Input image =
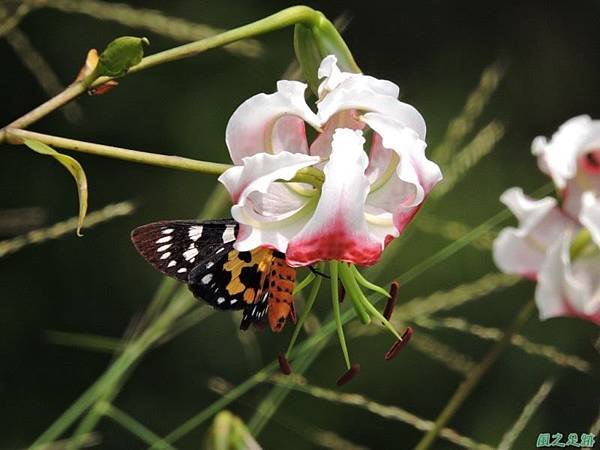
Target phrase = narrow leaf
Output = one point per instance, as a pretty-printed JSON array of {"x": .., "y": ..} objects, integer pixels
[
  {"x": 72, "y": 166},
  {"x": 120, "y": 55}
]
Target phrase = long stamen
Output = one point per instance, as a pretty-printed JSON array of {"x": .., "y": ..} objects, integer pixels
[
  {"x": 399, "y": 344},
  {"x": 366, "y": 283},
  {"x": 354, "y": 292},
  {"x": 335, "y": 301},
  {"x": 310, "y": 301},
  {"x": 305, "y": 282}
]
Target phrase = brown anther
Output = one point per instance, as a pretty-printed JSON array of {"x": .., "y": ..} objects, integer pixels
[
  {"x": 259, "y": 326},
  {"x": 284, "y": 364},
  {"x": 348, "y": 375},
  {"x": 342, "y": 293},
  {"x": 391, "y": 303},
  {"x": 399, "y": 344}
]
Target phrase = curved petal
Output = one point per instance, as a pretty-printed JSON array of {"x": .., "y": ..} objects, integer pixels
[
  {"x": 266, "y": 211},
  {"x": 271, "y": 123},
  {"x": 590, "y": 215},
  {"x": 549, "y": 295},
  {"x": 522, "y": 250},
  {"x": 343, "y": 91},
  {"x": 569, "y": 288},
  {"x": 414, "y": 176},
  {"x": 338, "y": 230},
  {"x": 260, "y": 170},
  {"x": 321, "y": 146},
  {"x": 334, "y": 77},
  {"x": 560, "y": 157}
]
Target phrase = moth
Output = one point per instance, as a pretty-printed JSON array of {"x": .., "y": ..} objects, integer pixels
[{"x": 201, "y": 254}]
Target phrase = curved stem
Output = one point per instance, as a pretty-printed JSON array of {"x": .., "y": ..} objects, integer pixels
[
  {"x": 282, "y": 19},
  {"x": 16, "y": 136},
  {"x": 474, "y": 377}
]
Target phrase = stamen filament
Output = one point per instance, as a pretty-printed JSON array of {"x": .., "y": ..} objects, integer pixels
[
  {"x": 367, "y": 284},
  {"x": 375, "y": 313},
  {"x": 354, "y": 292},
  {"x": 310, "y": 301},
  {"x": 335, "y": 301},
  {"x": 305, "y": 282}
]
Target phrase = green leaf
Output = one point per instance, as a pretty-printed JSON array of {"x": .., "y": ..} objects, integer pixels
[
  {"x": 120, "y": 55},
  {"x": 72, "y": 166}
]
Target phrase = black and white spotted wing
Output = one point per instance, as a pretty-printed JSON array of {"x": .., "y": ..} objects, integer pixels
[
  {"x": 202, "y": 255},
  {"x": 176, "y": 247}
]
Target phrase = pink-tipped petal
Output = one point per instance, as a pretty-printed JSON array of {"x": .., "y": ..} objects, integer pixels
[
  {"x": 337, "y": 230},
  {"x": 271, "y": 123}
]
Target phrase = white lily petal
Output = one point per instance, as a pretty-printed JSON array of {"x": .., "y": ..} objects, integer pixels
[
  {"x": 560, "y": 156},
  {"x": 334, "y": 77},
  {"x": 415, "y": 175},
  {"x": 522, "y": 250},
  {"x": 364, "y": 93},
  {"x": 338, "y": 230},
  {"x": 569, "y": 288},
  {"x": 271, "y": 123},
  {"x": 260, "y": 170},
  {"x": 549, "y": 295},
  {"x": 590, "y": 215},
  {"x": 269, "y": 214},
  {"x": 321, "y": 146}
]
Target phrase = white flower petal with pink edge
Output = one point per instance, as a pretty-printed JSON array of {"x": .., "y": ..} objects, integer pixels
[
  {"x": 337, "y": 229},
  {"x": 271, "y": 123},
  {"x": 522, "y": 250},
  {"x": 568, "y": 288},
  {"x": 268, "y": 213}
]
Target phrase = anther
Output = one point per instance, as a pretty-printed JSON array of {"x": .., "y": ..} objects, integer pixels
[
  {"x": 399, "y": 344},
  {"x": 347, "y": 376},
  {"x": 391, "y": 303},
  {"x": 284, "y": 365},
  {"x": 342, "y": 292}
]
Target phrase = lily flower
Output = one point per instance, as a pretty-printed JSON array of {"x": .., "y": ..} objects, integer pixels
[
  {"x": 327, "y": 199},
  {"x": 340, "y": 198}
]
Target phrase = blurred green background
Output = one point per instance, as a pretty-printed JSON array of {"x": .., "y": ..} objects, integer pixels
[{"x": 436, "y": 52}]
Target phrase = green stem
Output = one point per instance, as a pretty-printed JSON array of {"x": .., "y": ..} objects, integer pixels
[
  {"x": 134, "y": 427},
  {"x": 354, "y": 292},
  {"x": 474, "y": 377},
  {"x": 282, "y": 19},
  {"x": 335, "y": 302},
  {"x": 16, "y": 136},
  {"x": 310, "y": 301}
]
